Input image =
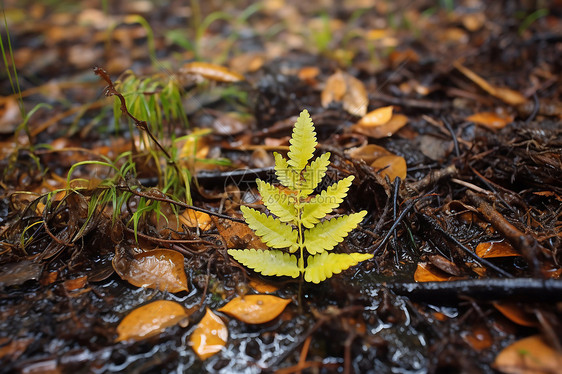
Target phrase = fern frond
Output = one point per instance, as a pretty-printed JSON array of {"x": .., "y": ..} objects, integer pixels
[
  {"x": 270, "y": 262},
  {"x": 277, "y": 202},
  {"x": 314, "y": 173},
  {"x": 272, "y": 232},
  {"x": 303, "y": 142},
  {"x": 325, "y": 202},
  {"x": 286, "y": 175},
  {"x": 324, "y": 265},
  {"x": 326, "y": 235}
]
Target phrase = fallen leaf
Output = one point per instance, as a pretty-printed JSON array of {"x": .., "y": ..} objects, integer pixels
[
  {"x": 368, "y": 153},
  {"x": 210, "y": 335},
  {"x": 162, "y": 269},
  {"x": 255, "y": 309},
  {"x": 261, "y": 286},
  {"x": 211, "y": 72},
  {"x": 150, "y": 319},
  {"x": 377, "y": 117},
  {"x": 507, "y": 95},
  {"x": 76, "y": 283},
  {"x": 516, "y": 313},
  {"x": 237, "y": 234},
  {"x": 334, "y": 89},
  {"x": 10, "y": 115},
  {"x": 479, "y": 338},
  {"x": 426, "y": 273},
  {"x": 490, "y": 120},
  {"x": 495, "y": 249},
  {"x": 344, "y": 87},
  {"x": 392, "y": 166},
  {"x": 530, "y": 355},
  {"x": 194, "y": 218},
  {"x": 388, "y": 129},
  {"x": 309, "y": 74}
]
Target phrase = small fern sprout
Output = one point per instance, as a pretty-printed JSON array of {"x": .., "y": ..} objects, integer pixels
[{"x": 300, "y": 238}]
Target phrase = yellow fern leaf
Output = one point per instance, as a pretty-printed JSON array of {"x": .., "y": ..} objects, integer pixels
[
  {"x": 286, "y": 175},
  {"x": 303, "y": 142},
  {"x": 326, "y": 235},
  {"x": 324, "y": 265},
  {"x": 270, "y": 262},
  {"x": 272, "y": 232},
  {"x": 314, "y": 173},
  {"x": 325, "y": 202},
  {"x": 278, "y": 203}
]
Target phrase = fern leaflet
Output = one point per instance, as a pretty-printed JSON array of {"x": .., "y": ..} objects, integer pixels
[
  {"x": 303, "y": 142},
  {"x": 277, "y": 202},
  {"x": 325, "y": 202},
  {"x": 326, "y": 235},
  {"x": 324, "y": 265},
  {"x": 270, "y": 262},
  {"x": 272, "y": 232}
]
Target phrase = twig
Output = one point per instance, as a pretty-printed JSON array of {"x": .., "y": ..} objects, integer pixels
[{"x": 521, "y": 289}]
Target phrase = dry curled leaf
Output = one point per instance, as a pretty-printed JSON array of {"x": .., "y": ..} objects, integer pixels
[
  {"x": 530, "y": 355},
  {"x": 490, "y": 120},
  {"x": 162, "y": 269},
  {"x": 210, "y": 336},
  {"x": 261, "y": 286},
  {"x": 344, "y": 87},
  {"x": 255, "y": 309},
  {"x": 391, "y": 165},
  {"x": 211, "y": 72},
  {"x": 150, "y": 320}
]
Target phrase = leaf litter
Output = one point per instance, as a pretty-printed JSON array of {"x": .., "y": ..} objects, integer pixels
[{"x": 473, "y": 217}]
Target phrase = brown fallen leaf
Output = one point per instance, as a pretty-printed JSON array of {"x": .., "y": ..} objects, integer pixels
[
  {"x": 507, "y": 95},
  {"x": 490, "y": 120},
  {"x": 261, "y": 286},
  {"x": 478, "y": 338},
  {"x": 392, "y": 166},
  {"x": 368, "y": 153},
  {"x": 388, "y": 129},
  {"x": 151, "y": 319},
  {"x": 344, "y": 87},
  {"x": 530, "y": 355},
  {"x": 255, "y": 309},
  {"x": 211, "y": 72},
  {"x": 495, "y": 249},
  {"x": 162, "y": 269},
  {"x": 210, "y": 336},
  {"x": 377, "y": 117},
  {"x": 516, "y": 313}
]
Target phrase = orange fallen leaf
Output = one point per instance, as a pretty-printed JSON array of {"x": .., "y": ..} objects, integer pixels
[
  {"x": 479, "y": 338},
  {"x": 530, "y": 355},
  {"x": 368, "y": 153},
  {"x": 388, "y": 129},
  {"x": 495, "y": 249},
  {"x": 262, "y": 287},
  {"x": 211, "y": 71},
  {"x": 344, "y": 87},
  {"x": 162, "y": 269},
  {"x": 194, "y": 218},
  {"x": 507, "y": 95},
  {"x": 515, "y": 313},
  {"x": 392, "y": 166},
  {"x": 210, "y": 336},
  {"x": 255, "y": 309},
  {"x": 490, "y": 120},
  {"x": 150, "y": 320},
  {"x": 377, "y": 117},
  {"x": 309, "y": 74},
  {"x": 425, "y": 273}
]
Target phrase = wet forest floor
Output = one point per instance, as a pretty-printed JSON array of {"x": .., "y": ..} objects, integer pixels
[{"x": 132, "y": 133}]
